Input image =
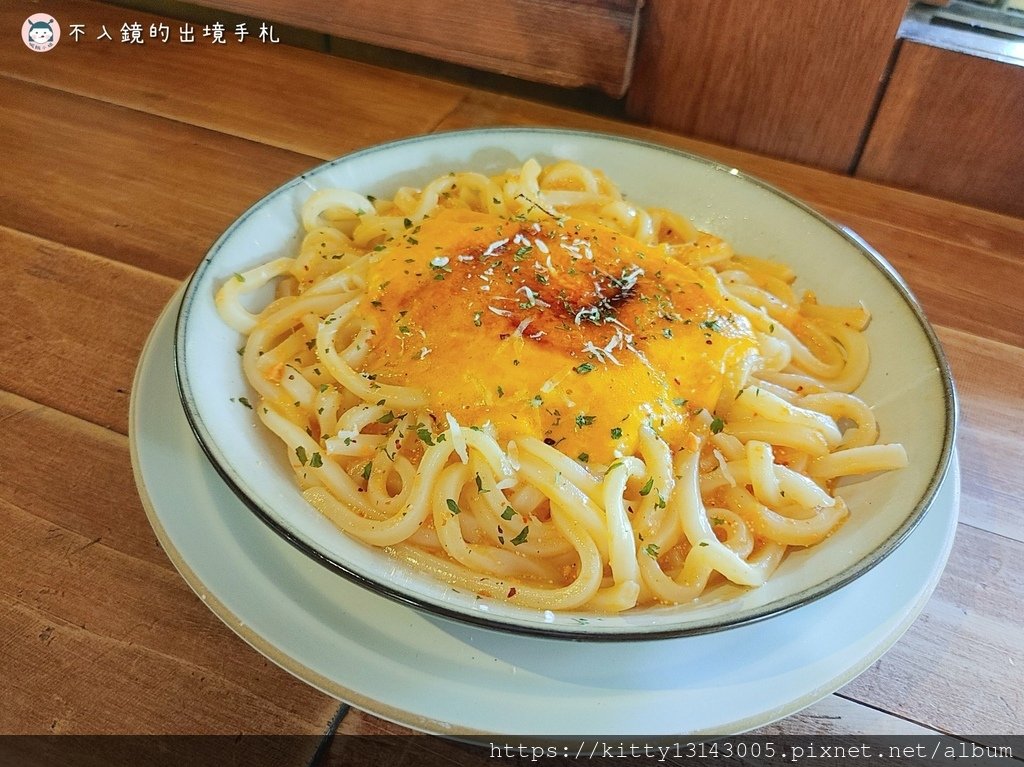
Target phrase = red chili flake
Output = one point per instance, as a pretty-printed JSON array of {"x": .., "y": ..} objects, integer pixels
[{"x": 511, "y": 593}]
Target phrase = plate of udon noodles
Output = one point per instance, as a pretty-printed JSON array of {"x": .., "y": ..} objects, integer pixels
[{"x": 565, "y": 384}]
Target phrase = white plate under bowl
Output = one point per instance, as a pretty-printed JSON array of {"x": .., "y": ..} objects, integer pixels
[
  {"x": 451, "y": 679},
  {"x": 908, "y": 386}
]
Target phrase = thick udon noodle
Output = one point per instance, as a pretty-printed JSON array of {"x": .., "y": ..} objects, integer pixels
[{"x": 438, "y": 438}]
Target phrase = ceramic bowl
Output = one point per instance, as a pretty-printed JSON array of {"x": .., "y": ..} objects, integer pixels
[{"x": 908, "y": 386}]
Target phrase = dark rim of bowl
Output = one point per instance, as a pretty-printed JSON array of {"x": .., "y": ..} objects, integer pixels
[{"x": 592, "y": 631}]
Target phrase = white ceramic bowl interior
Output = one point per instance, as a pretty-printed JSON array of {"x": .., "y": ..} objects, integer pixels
[{"x": 908, "y": 384}]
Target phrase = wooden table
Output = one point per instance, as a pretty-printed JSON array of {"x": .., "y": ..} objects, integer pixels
[{"x": 120, "y": 165}]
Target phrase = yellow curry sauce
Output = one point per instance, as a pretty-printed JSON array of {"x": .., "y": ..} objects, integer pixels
[{"x": 560, "y": 329}]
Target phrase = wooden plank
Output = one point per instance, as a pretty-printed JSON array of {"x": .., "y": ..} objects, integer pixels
[
  {"x": 559, "y": 42},
  {"x": 866, "y": 206},
  {"x": 958, "y": 669},
  {"x": 985, "y": 302},
  {"x": 971, "y": 155},
  {"x": 95, "y": 499},
  {"x": 232, "y": 88},
  {"x": 990, "y": 381},
  {"x": 98, "y": 633},
  {"x": 74, "y": 326},
  {"x": 66, "y": 679},
  {"x": 136, "y": 188},
  {"x": 783, "y": 79}
]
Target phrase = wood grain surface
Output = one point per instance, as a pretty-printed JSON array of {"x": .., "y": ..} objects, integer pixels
[
  {"x": 560, "y": 42},
  {"x": 793, "y": 80},
  {"x": 971, "y": 154},
  {"x": 98, "y": 633},
  {"x": 304, "y": 100},
  {"x": 144, "y": 168}
]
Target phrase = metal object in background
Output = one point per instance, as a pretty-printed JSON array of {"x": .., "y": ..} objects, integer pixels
[{"x": 992, "y": 29}]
